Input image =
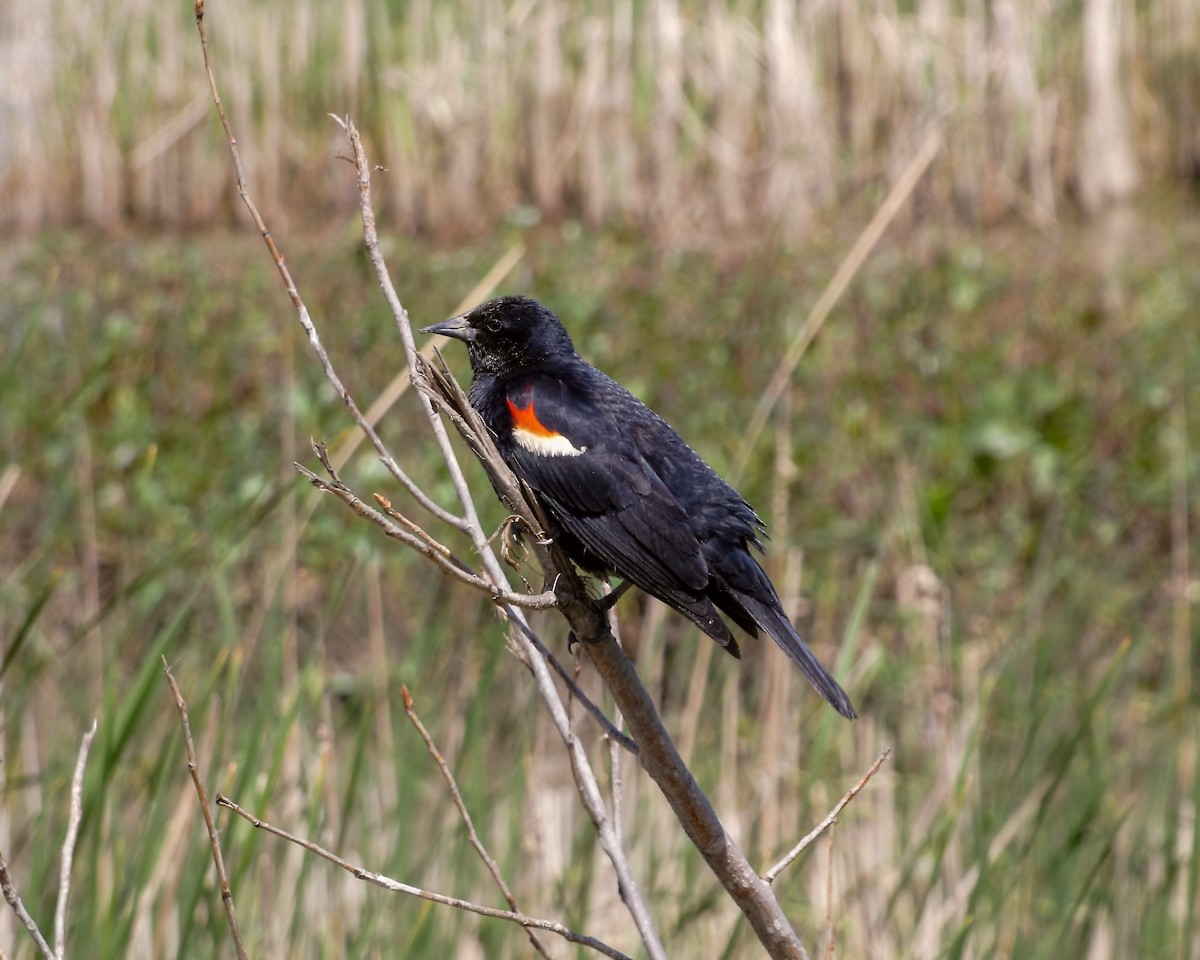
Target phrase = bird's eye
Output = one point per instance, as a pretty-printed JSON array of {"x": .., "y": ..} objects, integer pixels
[{"x": 493, "y": 324}]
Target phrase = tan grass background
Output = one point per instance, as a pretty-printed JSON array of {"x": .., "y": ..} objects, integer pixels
[{"x": 684, "y": 118}]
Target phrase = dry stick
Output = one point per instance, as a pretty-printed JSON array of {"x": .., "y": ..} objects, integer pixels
[
  {"x": 68, "y": 850},
  {"x": 585, "y": 778},
  {"x": 692, "y": 808},
  {"x": 380, "y": 880},
  {"x": 833, "y": 292},
  {"x": 829, "y": 820},
  {"x": 305, "y": 320},
  {"x": 194, "y": 769},
  {"x": 14, "y": 901},
  {"x": 657, "y": 752},
  {"x": 456, "y": 796}
]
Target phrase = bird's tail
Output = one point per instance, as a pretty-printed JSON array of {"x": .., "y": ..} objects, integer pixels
[{"x": 771, "y": 619}]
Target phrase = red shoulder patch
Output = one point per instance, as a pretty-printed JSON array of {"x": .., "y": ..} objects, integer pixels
[{"x": 526, "y": 418}]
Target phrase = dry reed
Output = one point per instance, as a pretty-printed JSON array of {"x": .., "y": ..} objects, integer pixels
[{"x": 682, "y": 118}]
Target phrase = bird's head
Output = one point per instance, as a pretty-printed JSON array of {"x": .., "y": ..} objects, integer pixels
[{"x": 509, "y": 334}]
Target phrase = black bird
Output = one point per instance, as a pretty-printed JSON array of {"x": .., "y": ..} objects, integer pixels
[{"x": 622, "y": 490}]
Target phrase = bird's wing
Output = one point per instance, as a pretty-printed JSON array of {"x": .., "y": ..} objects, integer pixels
[{"x": 588, "y": 471}]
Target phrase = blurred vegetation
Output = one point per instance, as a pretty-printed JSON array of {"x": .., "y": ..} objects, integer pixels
[
  {"x": 981, "y": 492},
  {"x": 981, "y": 484},
  {"x": 690, "y": 120}
]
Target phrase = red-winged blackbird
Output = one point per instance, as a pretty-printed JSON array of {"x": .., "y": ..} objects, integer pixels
[{"x": 622, "y": 490}]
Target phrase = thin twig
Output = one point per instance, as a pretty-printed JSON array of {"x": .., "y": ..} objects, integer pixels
[
  {"x": 14, "y": 901},
  {"x": 214, "y": 842},
  {"x": 342, "y": 453},
  {"x": 68, "y": 850},
  {"x": 380, "y": 880},
  {"x": 662, "y": 762},
  {"x": 456, "y": 796},
  {"x": 414, "y": 528},
  {"x": 660, "y": 757},
  {"x": 829, "y": 820},
  {"x": 305, "y": 320}
]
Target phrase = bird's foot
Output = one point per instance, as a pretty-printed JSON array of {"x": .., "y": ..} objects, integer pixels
[{"x": 510, "y": 533}]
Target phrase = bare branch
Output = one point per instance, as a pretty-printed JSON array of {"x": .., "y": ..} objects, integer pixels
[
  {"x": 829, "y": 820},
  {"x": 68, "y": 850},
  {"x": 214, "y": 842},
  {"x": 614, "y": 759},
  {"x": 657, "y": 752},
  {"x": 359, "y": 873},
  {"x": 456, "y": 796},
  {"x": 14, "y": 901}
]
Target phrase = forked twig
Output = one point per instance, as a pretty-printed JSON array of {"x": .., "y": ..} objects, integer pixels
[
  {"x": 380, "y": 880},
  {"x": 656, "y": 750},
  {"x": 214, "y": 842},
  {"x": 456, "y": 796},
  {"x": 829, "y": 820},
  {"x": 589, "y": 789}
]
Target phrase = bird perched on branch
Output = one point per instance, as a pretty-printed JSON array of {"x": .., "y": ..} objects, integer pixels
[{"x": 624, "y": 493}]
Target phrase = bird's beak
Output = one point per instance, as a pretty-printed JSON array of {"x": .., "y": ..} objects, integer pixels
[{"x": 457, "y": 327}]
